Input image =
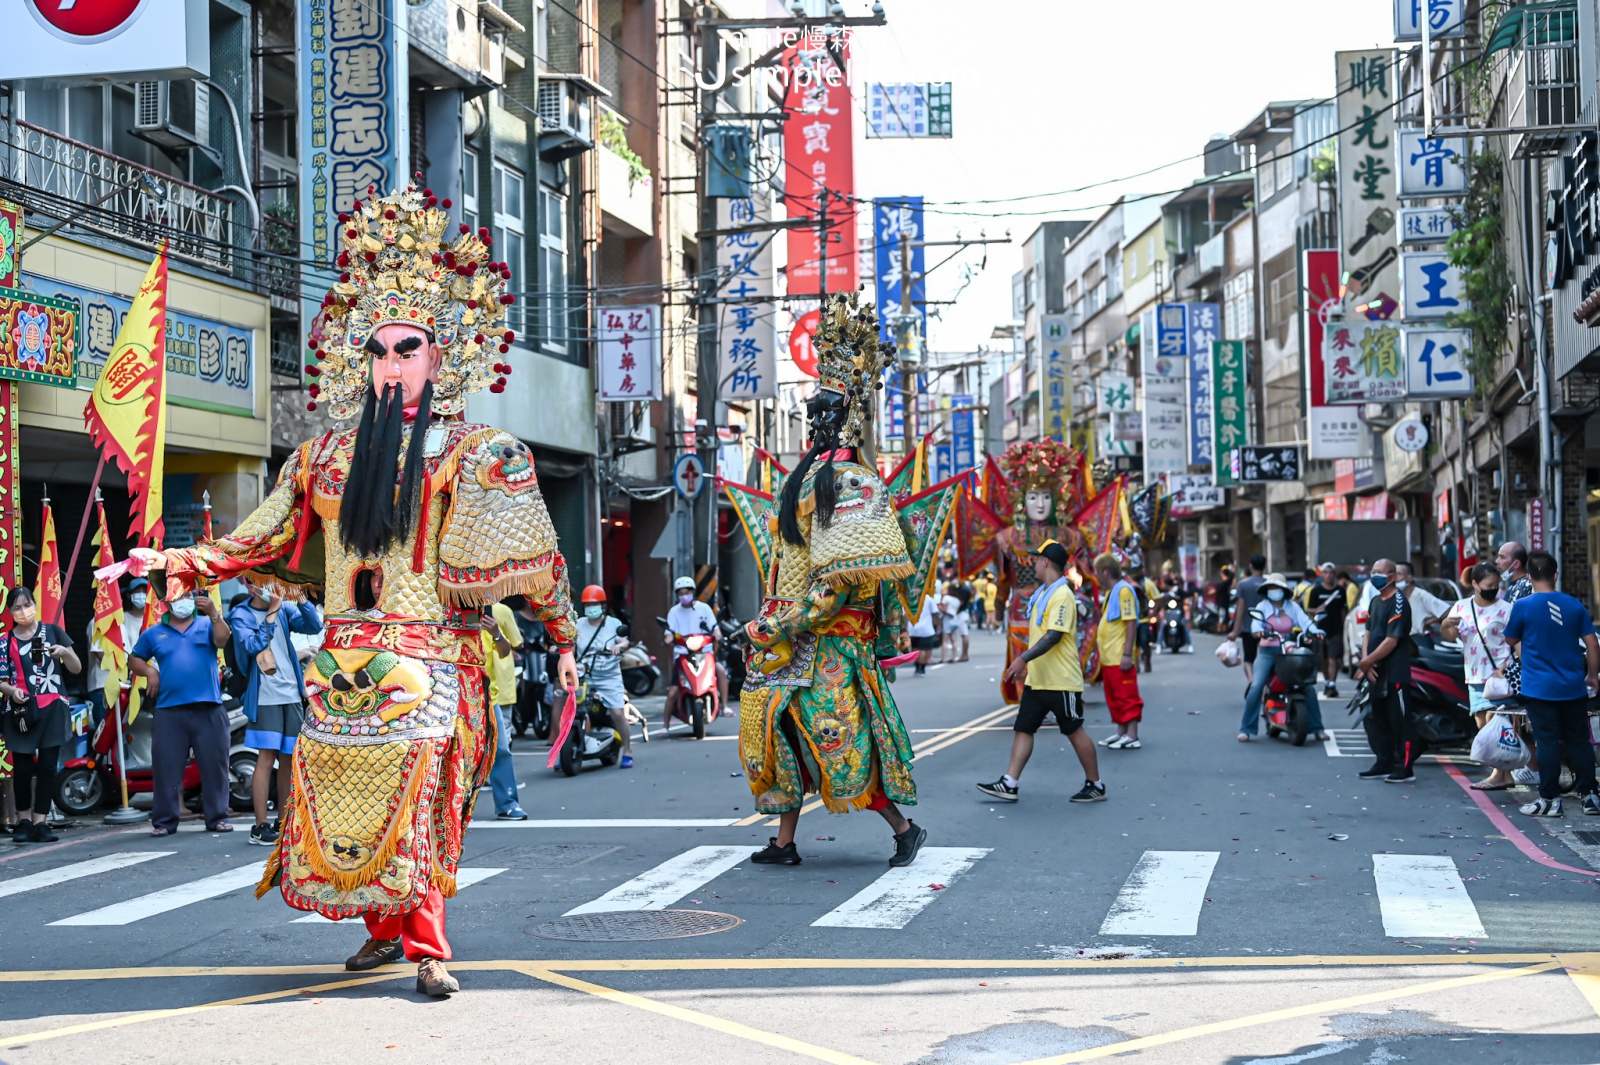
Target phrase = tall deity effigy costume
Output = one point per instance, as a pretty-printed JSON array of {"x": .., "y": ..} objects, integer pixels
[
  {"x": 1048, "y": 485},
  {"x": 409, "y": 543},
  {"x": 816, "y": 713}
]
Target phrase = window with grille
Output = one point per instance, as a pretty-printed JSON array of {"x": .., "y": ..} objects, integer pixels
[
  {"x": 553, "y": 269},
  {"x": 509, "y": 210},
  {"x": 1283, "y": 293},
  {"x": 469, "y": 189}
]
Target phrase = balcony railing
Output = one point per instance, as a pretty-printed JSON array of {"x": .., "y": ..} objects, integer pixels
[
  {"x": 1544, "y": 79},
  {"x": 58, "y": 176}
]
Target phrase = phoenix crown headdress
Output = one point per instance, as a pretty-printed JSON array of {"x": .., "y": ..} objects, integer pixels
[{"x": 399, "y": 263}]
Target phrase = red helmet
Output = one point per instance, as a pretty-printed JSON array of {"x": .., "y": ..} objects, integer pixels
[{"x": 593, "y": 594}]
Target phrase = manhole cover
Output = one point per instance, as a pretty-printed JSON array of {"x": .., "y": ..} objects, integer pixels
[
  {"x": 1591, "y": 838},
  {"x": 548, "y": 855},
  {"x": 635, "y": 925}
]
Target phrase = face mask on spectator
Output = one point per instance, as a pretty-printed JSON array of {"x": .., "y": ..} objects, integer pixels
[
  {"x": 686, "y": 599},
  {"x": 183, "y": 608},
  {"x": 1275, "y": 595},
  {"x": 139, "y": 599},
  {"x": 594, "y": 612},
  {"x": 1379, "y": 581}
]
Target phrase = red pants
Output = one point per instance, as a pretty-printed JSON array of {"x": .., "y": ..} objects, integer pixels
[
  {"x": 421, "y": 931},
  {"x": 1122, "y": 693}
]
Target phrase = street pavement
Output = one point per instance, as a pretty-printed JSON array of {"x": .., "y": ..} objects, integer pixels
[{"x": 1229, "y": 903}]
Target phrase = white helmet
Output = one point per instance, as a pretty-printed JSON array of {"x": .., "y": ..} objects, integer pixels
[{"x": 683, "y": 584}]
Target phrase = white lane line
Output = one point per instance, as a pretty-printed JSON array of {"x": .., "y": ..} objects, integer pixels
[
  {"x": 892, "y": 900},
  {"x": 1422, "y": 895},
  {"x": 1162, "y": 896},
  {"x": 171, "y": 898},
  {"x": 658, "y": 888},
  {"x": 618, "y": 822},
  {"x": 51, "y": 877},
  {"x": 465, "y": 878}
]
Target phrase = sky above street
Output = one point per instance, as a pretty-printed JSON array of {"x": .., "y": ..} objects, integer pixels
[{"x": 1050, "y": 96}]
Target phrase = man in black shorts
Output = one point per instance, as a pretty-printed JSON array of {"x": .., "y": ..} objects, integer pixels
[
  {"x": 1250, "y": 596},
  {"x": 1052, "y": 678}
]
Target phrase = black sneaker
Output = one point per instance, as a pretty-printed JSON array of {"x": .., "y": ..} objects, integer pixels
[
  {"x": 42, "y": 833},
  {"x": 1091, "y": 792},
  {"x": 1591, "y": 804},
  {"x": 23, "y": 833},
  {"x": 263, "y": 835},
  {"x": 999, "y": 790},
  {"x": 1377, "y": 770},
  {"x": 907, "y": 844},
  {"x": 1404, "y": 775},
  {"x": 772, "y": 854}
]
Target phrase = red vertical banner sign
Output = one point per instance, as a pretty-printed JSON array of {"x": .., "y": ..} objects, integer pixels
[
  {"x": 10, "y": 473},
  {"x": 819, "y": 172}
]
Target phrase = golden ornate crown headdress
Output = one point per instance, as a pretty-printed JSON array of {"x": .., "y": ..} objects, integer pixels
[
  {"x": 399, "y": 263},
  {"x": 1045, "y": 466},
  {"x": 851, "y": 361}
]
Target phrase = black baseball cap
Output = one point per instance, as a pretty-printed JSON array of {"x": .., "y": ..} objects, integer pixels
[{"x": 1053, "y": 550}]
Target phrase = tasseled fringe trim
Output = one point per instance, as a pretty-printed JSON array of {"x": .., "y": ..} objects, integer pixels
[
  {"x": 467, "y": 594},
  {"x": 294, "y": 593},
  {"x": 866, "y": 575},
  {"x": 339, "y": 879},
  {"x": 850, "y": 805},
  {"x": 327, "y": 508},
  {"x": 274, "y": 868},
  {"x": 445, "y": 883}
]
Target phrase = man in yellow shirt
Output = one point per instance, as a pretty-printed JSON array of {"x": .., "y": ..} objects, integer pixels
[
  {"x": 990, "y": 591},
  {"x": 1052, "y": 678},
  {"x": 1118, "y": 638},
  {"x": 501, "y": 636}
]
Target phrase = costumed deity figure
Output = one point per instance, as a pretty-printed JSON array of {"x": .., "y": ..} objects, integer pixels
[
  {"x": 410, "y": 544},
  {"x": 816, "y": 714},
  {"x": 1047, "y": 487}
]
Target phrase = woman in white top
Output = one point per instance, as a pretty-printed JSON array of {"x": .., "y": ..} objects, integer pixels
[
  {"x": 1479, "y": 622},
  {"x": 924, "y": 635}
]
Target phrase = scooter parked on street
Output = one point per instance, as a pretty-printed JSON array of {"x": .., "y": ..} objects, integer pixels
[
  {"x": 639, "y": 670},
  {"x": 83, "y": 784}
]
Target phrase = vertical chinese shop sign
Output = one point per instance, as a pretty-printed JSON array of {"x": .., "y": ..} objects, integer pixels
[
  {"x": 10, "y": 470},
  {"x": 1228, "y": 399},
  {"x": 820, "y": 165},
  {"x": 353, "y": 131}
]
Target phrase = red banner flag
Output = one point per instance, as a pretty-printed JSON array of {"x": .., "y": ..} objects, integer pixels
[
  {"x": 820, "y": 164},
  {"x": 108, "y": 618},
  {"x": 47, "y": 589}
]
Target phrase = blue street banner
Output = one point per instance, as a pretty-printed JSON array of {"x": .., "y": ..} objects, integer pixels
[
  {"x": 961, "y": 437},
  {"x": 892, "y": 217},
  {"x": 352, "y": 122},
  {"x": 942, "y": 460}
]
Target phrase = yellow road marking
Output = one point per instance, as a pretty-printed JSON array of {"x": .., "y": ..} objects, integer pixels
[
  {"x": 1309, "y": 1009},
  {"x": 946, "y": 738},
  {"x": 704, "y": 1020},
  {"x": 1584, "y": 962},
  {"x": 160, "y": 1015},
  {"x": 1584, "y": 969}
]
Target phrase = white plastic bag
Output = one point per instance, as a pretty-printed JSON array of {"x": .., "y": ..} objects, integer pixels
[
  {"x": 1230, "y": 653},
  {"x": 1498, "y": 746}
]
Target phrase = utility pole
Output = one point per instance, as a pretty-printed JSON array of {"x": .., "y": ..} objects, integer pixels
[
  {"x": 908, "y": 392},
  {"x": 703, "y": 510}
]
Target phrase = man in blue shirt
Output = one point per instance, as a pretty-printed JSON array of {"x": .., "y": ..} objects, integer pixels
[
  {"x": 272, "y": 701},
  {"x": 178, "y": 661},
  {"x": 1553, "y": 636}
]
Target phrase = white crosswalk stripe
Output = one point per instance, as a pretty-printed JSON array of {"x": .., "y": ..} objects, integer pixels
[
  {"x": 1422, "y": 896},
  {"x": 465, "y": 878},
  {"x": 77, "y": 870},
  {"x": 892, "y": 900},
  {"x": 168, "y": 899},
  {"x": 658, "y": 888},
  {"x": 1163, "y": 895}
]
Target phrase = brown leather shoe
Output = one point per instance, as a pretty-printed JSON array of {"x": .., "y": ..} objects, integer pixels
[
  {"x": 432, "y": 979},
  {"x": 373, "y": 953}
]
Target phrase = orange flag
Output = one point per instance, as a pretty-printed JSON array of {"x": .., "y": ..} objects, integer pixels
[
  {"x": 47, "y": 588},
  {"x": 127, "y": 414}
]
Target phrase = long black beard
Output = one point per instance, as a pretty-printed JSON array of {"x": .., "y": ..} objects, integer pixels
[
  {"x": 825, "y": 490},
  {"x": 371, "y": 519}
]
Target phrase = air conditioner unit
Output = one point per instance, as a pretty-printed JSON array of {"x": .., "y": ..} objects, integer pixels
[
  {"x": 1219, "y": 537},
  {"x": 565, "y": 125},
  {"x": 173, "y": 114}
]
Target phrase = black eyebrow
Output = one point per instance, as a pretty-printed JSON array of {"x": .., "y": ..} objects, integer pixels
[
  {"x": 409, "y": 344},
  {"x": 374, "y": 348}
]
